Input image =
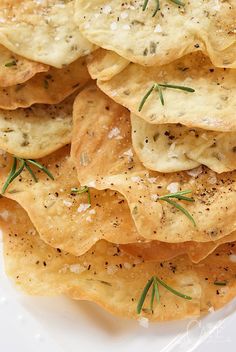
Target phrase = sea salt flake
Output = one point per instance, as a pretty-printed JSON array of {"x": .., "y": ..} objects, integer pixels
[
  {"x": 173, "y": 187},
  {"x": 152, "y": 179},
  {"x": 158, "y": 29},
  {"x": 135, "y": 179},
  {"x": 113, "y": 26},
  {"x": 124, "y": 15},
  {"x": 111, "y": 269},
  {"x": 127, "y": 266},
  {"x": 83, "y": 207},
  {"x": 154, "y": 197},
  {"x": 67, "y": 203},
  {"x": 106, "y": 9},
  {"x": 115, "y": 132},
  {"x": 77, "y": 268}
]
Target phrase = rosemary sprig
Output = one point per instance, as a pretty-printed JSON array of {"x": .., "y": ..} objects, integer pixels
[
  {"x": 157, "y": 87},
  {"x": 155, "y": 293},
  {"x": 84, "y": 189},
  {"x": 24, "y": 163},
  {"x": 180, "y": 196},
  {"x": 157, "y": 8}
]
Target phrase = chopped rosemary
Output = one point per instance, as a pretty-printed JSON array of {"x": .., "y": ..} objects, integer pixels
[
  {"x": 180, "y": 196},
  {"x": 84, "y": 189},
  {"x": 157, "y": 8},
  {"x": 24, "y": 163},
  {"x": 220, "y": 283},
  {"x": 158, "y": 87},
  {"x": 11, "y": 63},
  {"x": 155, "y": 293}
]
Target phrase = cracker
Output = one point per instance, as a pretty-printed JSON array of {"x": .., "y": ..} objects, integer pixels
[
  {"x": 15, "y": 69},
  {"x": 210, "y": 107},
  {"x": 43, "y": 31},
  {"x": 103, "y": 153},
  {"x": 37, "y": 131},
  {"x": 110, "y": 278},
  {"x": 174, "y": 31},
  {"x": 64, "y": 219},
  {"x": 51, "y": 87},
  {"x": 175, "y": 147},
  {"x": 104, "y": 64}
]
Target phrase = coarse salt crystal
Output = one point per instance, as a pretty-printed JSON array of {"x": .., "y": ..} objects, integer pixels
[
  {"x": 83, "y": 207},
  {"x": 115, "y": 132},
  {"x": 127, "y": 266},
  {"x": 173, "y": 187},
  {"x": 67, "y": 203},
  {"x": 152, "y": 179},
  {"x": 158, "y": 29},
  {"x": 92, "y": 211},
  {"x": 154, "y": 197},
  {"x": 113, "y": 26},
  {"x": 77, "y": 268},
  {"x": 135, "y": 179},
  {"x": 124, "y": 15},
  {"x": 106, "y": 9},
  {"x": 88, "y": 219}
]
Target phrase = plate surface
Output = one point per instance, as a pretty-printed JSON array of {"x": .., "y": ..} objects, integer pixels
[{"x": 61, "y": 325}]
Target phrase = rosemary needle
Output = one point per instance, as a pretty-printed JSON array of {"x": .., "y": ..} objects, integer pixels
[
  {"x": 41, "y": 167},
  {"x": 158, "y": 88},
  {"x": 155, "y": 280},
  {"x": 24, "y": 163},
  {"x": 157, "y": 8},
  {"x": 180, "y": 196},
  {"x": 84, "y": 189},
  {"x": 143, "y": 295}
]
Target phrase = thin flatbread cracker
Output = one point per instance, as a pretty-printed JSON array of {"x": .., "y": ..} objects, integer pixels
[
  {"x": 174, "y": 147},
  {"x": 43, "y": 31},
  {"x": 103, "y": 154},
  {"x": 64, "y": 219},
  {"x": 15, "y": 69},
  {"x": 110, "y": 278},
  {"x": 104, "y": 64},
  {"x": 50, "y": 87},
  {"x": 210, "y": 107},
  {"x": 37, "y": 131},
  {"x": 161, "y": 251},
  {"x": 138, "y": 36}
]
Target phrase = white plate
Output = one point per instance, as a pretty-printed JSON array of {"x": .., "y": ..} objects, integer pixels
[{"x": 60, "y": 325}]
